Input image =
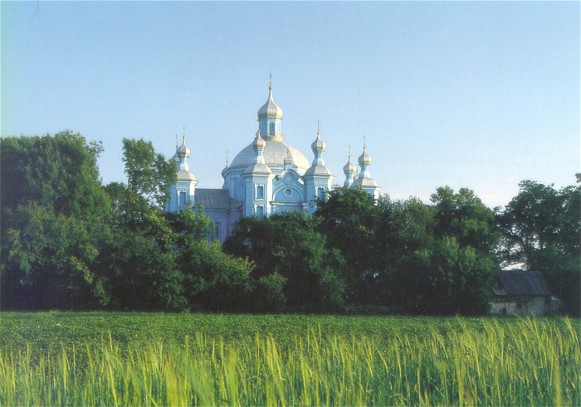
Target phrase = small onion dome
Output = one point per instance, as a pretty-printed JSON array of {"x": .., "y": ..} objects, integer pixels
[
  {"x": 259, "y": 142},
  {"x": 183, "y": 150},
  {"x": 349, "y": 168},
  {"x": 364, "y": 159},
  {"x": 318, "y": 144},
  {"x": 270, "y": 108}
]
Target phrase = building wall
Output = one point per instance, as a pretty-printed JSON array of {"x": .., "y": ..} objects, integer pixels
[{"x": 521, "y": 306}]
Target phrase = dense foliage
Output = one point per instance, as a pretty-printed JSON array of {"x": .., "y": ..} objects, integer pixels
[
  {"x": 294, "y": 267},
  {"x": 69, "y": 242},
  {"x": 411, "y": 257},
  {"x": 542, "y": 230},
  {"x": 200, "y": 359}
]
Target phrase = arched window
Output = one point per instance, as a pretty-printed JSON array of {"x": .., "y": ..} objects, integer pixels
[
  {"x": 259, "y": 192},
  {"x": 271, "y": 129},
  {"x": 183, "y": 198}
]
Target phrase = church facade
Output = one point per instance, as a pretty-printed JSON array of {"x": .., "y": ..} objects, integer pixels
[{"x": 268, "y": 176}]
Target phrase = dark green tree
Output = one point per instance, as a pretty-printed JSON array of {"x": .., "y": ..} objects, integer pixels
[
  {"x": 348, "y": 220},
  {"x": 53, "y": 215},
  {"x": 541, "y": 229},
  {"x": 464, "y": 216},
  {"x": 403, "y": 229},
  {"x": 288, "y": 252},
  {"x": 213, "y": 280}
]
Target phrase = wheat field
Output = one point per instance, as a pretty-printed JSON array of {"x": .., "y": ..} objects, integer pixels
[{"x": 178, "y": 360}]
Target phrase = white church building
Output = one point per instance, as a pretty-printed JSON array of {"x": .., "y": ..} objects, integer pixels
[{"x": 268, "y": 176}]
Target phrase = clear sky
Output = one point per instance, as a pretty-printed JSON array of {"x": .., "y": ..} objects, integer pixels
[{"x": 466, "y": 94}]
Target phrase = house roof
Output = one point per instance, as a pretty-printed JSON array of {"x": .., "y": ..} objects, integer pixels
[
  {"x": 213, "y": 198},
  {"x": 513, "y": 283}
]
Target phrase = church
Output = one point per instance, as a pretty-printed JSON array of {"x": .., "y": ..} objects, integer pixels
[{"x": 268, "y": 176}]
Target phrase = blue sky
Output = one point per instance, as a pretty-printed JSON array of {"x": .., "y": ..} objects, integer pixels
[{"x": 466, "y": 94}]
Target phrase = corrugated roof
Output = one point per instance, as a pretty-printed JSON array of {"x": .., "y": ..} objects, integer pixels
[
  {"x": 514, "y": 283},
  {"x": 212, "y": 198}
]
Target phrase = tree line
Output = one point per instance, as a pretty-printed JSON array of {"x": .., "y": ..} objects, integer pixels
[{"x": 69, "y": 242}]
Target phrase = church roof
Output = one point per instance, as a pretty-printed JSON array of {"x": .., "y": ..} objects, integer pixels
[
  {"x": 319, "y": 170},
  {"x": 257, "y": 169},
  {"x": 185, "y": 175},
  {"x": 364, "y": 182},
  {"x": 213, "y": 198},
  {"x": 274, "y": 155}
]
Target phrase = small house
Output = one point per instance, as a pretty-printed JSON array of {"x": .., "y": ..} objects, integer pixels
[{"x": 518, "y": 292}]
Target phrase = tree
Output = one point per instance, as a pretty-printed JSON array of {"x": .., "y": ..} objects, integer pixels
[
  {"x": 58, "y": 171},
  {"x": 541, "y": 229},
  {"x": 347, "y": 218},
  {"x": 149, "y": 174},
  {"x": 53, "y": 218},
  {"x": 411, "y": 257},
  {"x": 464, "y": 216},
  {"x": 213, "y": 280},
  {"x": 287, "y": 251},
  {"x": 163, "y": 261},
  {"x": 402, "y": 229}
]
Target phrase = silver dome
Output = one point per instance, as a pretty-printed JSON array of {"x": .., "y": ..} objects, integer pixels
[{"x": 274, "y": 155}]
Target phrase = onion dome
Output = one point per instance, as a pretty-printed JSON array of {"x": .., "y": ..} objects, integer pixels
[
  {"x": 318, "y": 145},
  {"x": 183, "y": 150},
  {"x": 349, "y": 168},
  {"x": 318, "y": 168},
  {"x": 259, "y": 143},
  {"x": 181, "y": 159},
  {"x": 270, "y": 108},
  {"x": 364, "y": 159},
  {"x": 258, "y": 165}
]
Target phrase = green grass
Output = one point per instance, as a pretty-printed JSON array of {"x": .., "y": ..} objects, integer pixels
[{"x": 183, "y": 359}]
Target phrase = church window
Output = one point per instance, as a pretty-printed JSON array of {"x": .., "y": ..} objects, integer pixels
[
  {"x": 321, "y": 193},
  {"x": 183, "y": 198},
  {"x": 271, "y": 131},
  {"x": 288, "y": 192},
  {"x": 215, "y": 232},
  {"x": 260, "y": 211},
  {"x": 260, "y": 192}
]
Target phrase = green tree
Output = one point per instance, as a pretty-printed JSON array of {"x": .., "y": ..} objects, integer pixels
[
  {"x": 141, "y": 268},
  {"x": 348, "y": 219},
  {"x": 402, "y": 229},
  {"x": 58, "y": 171},
  {"x": 163, "y": 261},
  {"x": 411, "y": 257},
  {"x": 53, "y": 215},
  {"x": 213, "y": 280},
  {"x": 464, "y": 216},
  {"x": 451, "y": 279},
  {"x": 149, "y": 174},
  {"x": 541, "y": 232},
  {"x": 287, "y": 249}
]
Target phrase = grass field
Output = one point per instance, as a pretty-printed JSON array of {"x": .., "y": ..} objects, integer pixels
[{"x": 190, "y": 359}]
